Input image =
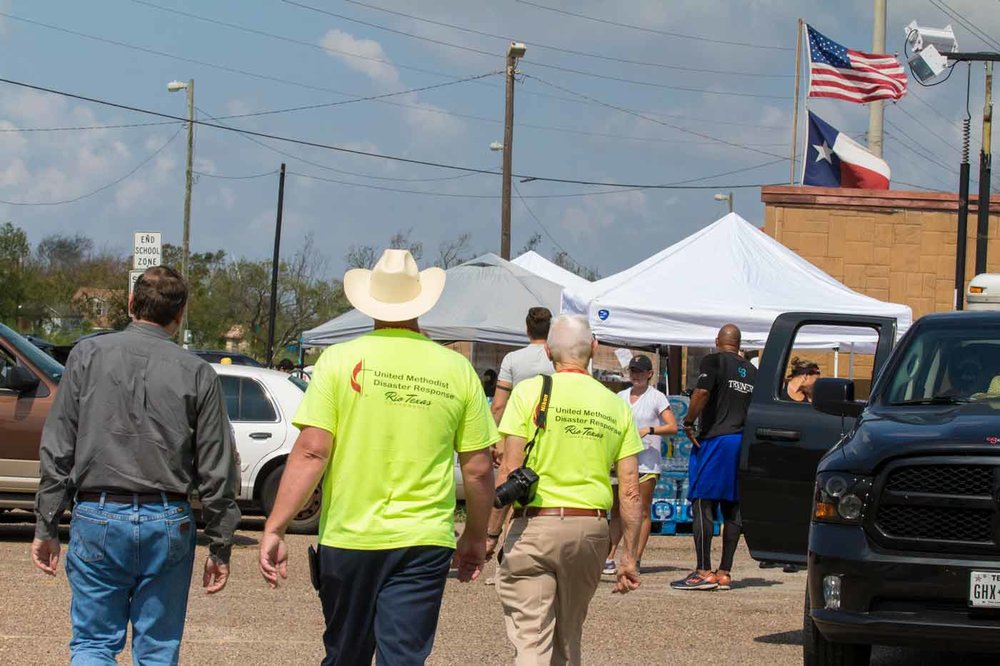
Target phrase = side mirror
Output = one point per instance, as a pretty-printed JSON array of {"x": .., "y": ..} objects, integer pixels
[
  {"x": 836, "y": 396},
  {"x": 20, "y": 380}
]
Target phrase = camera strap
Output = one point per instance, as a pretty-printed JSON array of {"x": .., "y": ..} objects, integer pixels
[{"x": 541, "y": 415}]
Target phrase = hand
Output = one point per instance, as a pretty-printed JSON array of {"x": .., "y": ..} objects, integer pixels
[
  {"x": 497, "y": 456},
  {"x": 216, "y": 575},
  {"x": 45, "y": 555},
  {"x": 273, "y": 558},
  {"x": 470, "y": 555},
  {"x": 689, "y": 431},
  {"x": 491, "y": 547},
  {"x": 628, "y": 577}
]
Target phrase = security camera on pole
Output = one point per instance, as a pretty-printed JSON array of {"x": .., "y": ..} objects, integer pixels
[{"x": 935, "y": 52}]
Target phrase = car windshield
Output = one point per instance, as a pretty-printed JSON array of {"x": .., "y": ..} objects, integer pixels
[
  {"x": 52, "y": 368},
  {"x": 301, "y": 384},
  {"x": 947, "y": 363}
]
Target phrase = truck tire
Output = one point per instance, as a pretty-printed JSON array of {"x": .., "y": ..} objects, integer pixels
[
  {"x": 818, "y": 651},
  {"x": 307, "y": 520}
]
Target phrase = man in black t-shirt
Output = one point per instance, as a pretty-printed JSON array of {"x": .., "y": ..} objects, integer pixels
[{"x": 721, "y": 399}]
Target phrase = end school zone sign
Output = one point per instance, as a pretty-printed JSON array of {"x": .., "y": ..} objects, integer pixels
[{"x": 147, "y": 251}]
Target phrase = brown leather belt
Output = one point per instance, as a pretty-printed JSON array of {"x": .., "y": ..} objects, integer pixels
[
  {"x": 129, "y": 498},
  {"x": 532, "y": 511}
]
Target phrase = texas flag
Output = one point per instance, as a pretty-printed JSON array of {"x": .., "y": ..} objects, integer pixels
[{"x": 834, "y": 159}]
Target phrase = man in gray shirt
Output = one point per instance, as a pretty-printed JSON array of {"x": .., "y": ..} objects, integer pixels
[
  {"x": 526, "y": 362},
  {"x": 137, "y": 426}
]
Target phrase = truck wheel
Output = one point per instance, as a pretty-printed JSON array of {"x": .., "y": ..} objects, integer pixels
[
  {"x": 307, "y": 520},
  {"x": 818, "y": 651}
]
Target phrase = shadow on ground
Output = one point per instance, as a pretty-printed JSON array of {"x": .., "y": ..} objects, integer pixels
[{"x": 782, "y": 638}]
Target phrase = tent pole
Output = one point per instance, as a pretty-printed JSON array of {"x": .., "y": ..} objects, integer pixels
[{"x": 836, "y": 362}]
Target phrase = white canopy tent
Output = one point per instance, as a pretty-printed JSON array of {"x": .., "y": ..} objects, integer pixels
[
  {"x": 539, "y": 265},
  {"x": 484, "y": 300},
  {"x": 729, "y": 272}
]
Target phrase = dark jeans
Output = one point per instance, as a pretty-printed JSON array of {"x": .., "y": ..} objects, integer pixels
[{"x": 381, "y": 600}]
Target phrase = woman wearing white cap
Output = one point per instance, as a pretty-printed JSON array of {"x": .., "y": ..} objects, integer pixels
[{"x": 653, "y": 419}]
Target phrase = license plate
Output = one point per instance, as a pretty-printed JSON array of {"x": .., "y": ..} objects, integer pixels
[{"x": 984, "y": 589}]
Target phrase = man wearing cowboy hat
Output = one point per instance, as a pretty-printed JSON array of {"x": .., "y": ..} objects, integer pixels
[{"x": 380, "y": 424}]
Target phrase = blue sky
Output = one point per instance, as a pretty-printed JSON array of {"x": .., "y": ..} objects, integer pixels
[{"x": 568, "y": 126}]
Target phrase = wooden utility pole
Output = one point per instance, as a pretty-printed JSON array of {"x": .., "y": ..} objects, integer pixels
[
  {"x": 876, "y": 109},
  {"x": 514, "y": 51},
  {"x": 985, "y": 173}
]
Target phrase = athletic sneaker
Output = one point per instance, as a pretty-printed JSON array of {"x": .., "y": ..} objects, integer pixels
[
  {"x": 696, "y": 582},
  {"x": 725, "y": 581},
  {"x": 609, "y": 568}
]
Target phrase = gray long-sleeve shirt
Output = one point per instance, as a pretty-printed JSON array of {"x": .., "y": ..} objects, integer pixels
[{"x": 135, "y": 413}]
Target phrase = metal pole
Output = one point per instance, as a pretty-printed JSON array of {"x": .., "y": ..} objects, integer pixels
[
  {"x": 188, "y": 180},
  {"x": 985, "y": 168},
  {"x": 963, "y": 205},
  {"x": 508, "y": 142},
  {"x": 272, "y": 315},
  {"x": 795, "y": 105},
  {"x": 876, "y": 109}
]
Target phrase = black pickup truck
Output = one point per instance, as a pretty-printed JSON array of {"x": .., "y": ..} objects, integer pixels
[{"x": 893, "y": 501}]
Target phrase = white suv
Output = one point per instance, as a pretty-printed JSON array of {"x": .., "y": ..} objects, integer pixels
[{"x": 261, "y": 404}]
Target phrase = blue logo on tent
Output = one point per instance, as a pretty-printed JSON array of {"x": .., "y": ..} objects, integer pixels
[
  {"x": 743, "y": 372},
  {"x": 602, "y": 314}
]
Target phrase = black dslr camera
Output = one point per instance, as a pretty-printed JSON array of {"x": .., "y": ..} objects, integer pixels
[{"x": 519, "y": 487}]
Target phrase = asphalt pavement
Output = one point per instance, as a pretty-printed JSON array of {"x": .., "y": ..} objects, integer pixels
[{"x": 757, "y": 622}]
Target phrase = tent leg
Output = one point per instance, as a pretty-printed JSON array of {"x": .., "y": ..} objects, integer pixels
[{"x": 836, "y": 362}]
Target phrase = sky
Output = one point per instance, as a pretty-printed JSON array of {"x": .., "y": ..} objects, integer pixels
[{"x": 696, "y": 92}]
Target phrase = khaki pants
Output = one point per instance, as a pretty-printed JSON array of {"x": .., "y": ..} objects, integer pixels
[{"x": 549, "y": 574}]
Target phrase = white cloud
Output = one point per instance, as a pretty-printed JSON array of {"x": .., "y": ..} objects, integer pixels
[{"x": 342, "y": 46}]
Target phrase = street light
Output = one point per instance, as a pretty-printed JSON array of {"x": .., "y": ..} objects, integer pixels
[
  {"x": 725, "y": 197},
  {"x": 176, "y": 86}
]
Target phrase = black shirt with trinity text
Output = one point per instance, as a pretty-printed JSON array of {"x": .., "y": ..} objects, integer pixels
[{"x": 729, "y": 379}]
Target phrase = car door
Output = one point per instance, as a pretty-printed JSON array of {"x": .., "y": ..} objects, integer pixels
[
  {"x": 783, "y": 440},
  {"x": 257, "y": 420},
  {"x": 22, "y": 417}
]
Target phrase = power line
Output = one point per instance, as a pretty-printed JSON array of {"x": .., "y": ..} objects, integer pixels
[
  {"x": 966, "y": 23},
  {"x": 355, "y": 151},
  {"x": 539, "y": 222},
  {"x": 330, "y": 168},
  {"x": 103, "y": 187},
  {"x": 307, "y": 86},
  {"x": 250, "y": 177},
  {"x": 368, "y": 98},
  {"x": 87, "y": 127},
  {"x": 929, "y": 130},
  {"x": 654, "y": 120},
  {"x": 489, "y": 54},
  {"x": 665, "y": 33},
  {"x": 557, "y": 49}
]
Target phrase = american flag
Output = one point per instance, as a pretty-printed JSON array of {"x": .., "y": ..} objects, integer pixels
[{"x": 837, "y": 71}]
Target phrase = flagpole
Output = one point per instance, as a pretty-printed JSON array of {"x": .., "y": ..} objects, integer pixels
[{"x": 795, "y": 108}]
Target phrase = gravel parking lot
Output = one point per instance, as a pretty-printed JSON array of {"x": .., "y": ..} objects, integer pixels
[{"x": 757, "y": 622}]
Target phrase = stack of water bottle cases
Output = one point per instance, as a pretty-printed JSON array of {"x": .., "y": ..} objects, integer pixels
[{"x": 671, "y": 508}]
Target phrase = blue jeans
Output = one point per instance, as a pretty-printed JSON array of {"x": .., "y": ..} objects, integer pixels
[{"x": 129, "y": 563}]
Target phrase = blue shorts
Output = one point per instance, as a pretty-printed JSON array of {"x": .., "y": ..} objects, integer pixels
[{"x": 712, "y": 472}]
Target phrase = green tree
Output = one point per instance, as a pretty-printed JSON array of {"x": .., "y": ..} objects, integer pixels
[
  {"x": 562, "y": 258},
  {"x": 14, "y": 254}
]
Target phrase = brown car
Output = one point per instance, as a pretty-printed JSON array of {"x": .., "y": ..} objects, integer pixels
[{"x": 29, "y": 379}]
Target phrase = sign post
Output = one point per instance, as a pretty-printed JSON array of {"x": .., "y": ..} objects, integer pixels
[{"x": 147, "y": 251}]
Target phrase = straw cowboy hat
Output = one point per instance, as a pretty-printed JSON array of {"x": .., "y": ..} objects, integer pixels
[{"x": 395, "y": 289}]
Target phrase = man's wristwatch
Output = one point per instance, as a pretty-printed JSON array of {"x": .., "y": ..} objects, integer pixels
[
  {"x": 688, "y": 426},
  {"x": 652, "y": 430},
  {"x": 494, "y": 536}
]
